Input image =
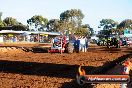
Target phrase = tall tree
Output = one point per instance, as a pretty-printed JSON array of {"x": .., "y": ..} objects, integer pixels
[
  {"x": 108, "y": 26},
  {"x": 81, "y": 31},
  {"x": 9, "y": 21},
  {"x": 20, "y": 27},
  {"x": 53, "y": 25},
  {"x": 0, "y": 15},
  {"x": 14, "y": 24},
  {"x": 58, "y": 26},
  {"x": 1, "y": 23},
  {"x": 90, "y": 30},
  {"x": 38, "y": 21},
  {"x": 72, "y": 18},
  {"x": 127, "y": 23},
  {"x": 84, "y": 30}
]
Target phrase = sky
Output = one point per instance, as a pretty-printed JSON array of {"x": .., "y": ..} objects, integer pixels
[{"x": 93, "y": 10}]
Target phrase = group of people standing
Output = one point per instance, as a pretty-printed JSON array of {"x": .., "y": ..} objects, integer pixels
[{"x": 81, "y": 44}]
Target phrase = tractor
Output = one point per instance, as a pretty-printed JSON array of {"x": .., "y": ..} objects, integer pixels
[
  {"x": 58, "y": 44},
  {"x": 62, "y": 44},
  {"x": 113, "y": 42}
]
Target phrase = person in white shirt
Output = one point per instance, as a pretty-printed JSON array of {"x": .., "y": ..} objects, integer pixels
[{"x": 83, "y": 44}]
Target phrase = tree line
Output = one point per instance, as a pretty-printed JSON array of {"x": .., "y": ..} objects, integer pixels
[
  {"x": 70, "y": 21},
  {"x": 110, "y": 26}
]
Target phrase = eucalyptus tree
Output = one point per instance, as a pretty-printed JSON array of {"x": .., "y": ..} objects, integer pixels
[
  {"x": 0, "y": 15},
  {"x": 127, "y": 23},
  {"x": 37, "y": 23},
  {"x": 1, "y": 22},
  {"x": 108, "y": 26},
  {"x": 72, "y": 19},
  {"x": 90, "y": 30},
  {"x": 84, "y": 30},
  {"x": 53, "y": 25},
  {"x": 10, "y": 21}
]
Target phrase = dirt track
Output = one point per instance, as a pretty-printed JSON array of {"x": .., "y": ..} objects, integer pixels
[{"x": 20, "y": 69}]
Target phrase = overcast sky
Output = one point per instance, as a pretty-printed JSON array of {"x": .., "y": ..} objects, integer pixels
[{"x": 94, "y": 10}]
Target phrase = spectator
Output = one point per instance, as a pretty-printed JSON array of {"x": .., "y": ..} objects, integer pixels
[{"x": 83, "y": 44}]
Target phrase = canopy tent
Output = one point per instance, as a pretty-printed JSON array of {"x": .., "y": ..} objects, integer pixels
[{"x": 29, "y": 32}]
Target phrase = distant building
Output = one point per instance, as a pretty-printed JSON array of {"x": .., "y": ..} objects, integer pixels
[{"x": 27, "y": 36}]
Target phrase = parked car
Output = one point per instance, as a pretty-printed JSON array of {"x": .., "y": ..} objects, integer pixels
[{"x": 129, "y": 41}]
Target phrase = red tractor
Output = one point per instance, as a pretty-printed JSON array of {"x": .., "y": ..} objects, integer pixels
[{"x": 60, "y": 45}]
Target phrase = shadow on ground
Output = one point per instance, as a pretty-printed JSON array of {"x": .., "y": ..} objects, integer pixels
[
  {"x": 40, "y": 69},
  {"x": 98, "y": 70},
  {"x": 56, "y": 70}
]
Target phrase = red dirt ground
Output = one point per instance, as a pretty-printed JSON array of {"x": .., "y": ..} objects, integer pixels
[{"x": 20, "y": 69}]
